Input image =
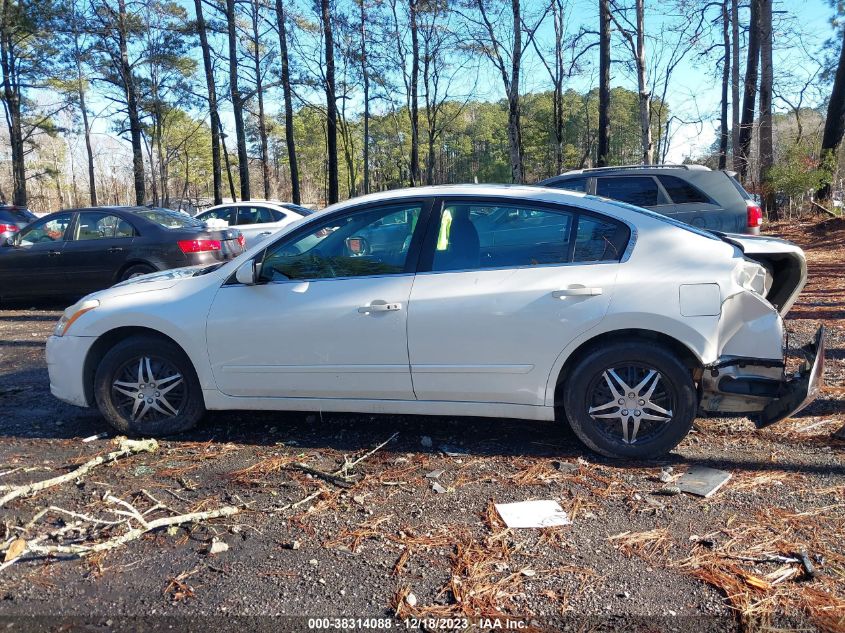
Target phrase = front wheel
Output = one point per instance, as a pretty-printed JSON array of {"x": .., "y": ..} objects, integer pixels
[
  {"x": 630, "y": 400},
  {"x": 147, "y": 386}
]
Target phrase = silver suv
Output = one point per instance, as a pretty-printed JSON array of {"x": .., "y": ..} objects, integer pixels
[{"x": 693, "y": 194}]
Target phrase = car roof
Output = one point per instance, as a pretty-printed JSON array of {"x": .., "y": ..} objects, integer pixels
[{"x": 589, "y": 171}]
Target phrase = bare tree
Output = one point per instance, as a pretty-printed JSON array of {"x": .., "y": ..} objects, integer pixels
[
  {"x": 365, "y": 80},
  {"x": 735, "y": 81},
  {"x": 331, "y": 101},
  {"x": 765, "y": 132},
  {"x": 726, "y": 77},
  {"x": 214, "y": 115},
  {"x": 746, "y": 126},
  {"x": 287, "y": 93},
  {"x": 834, "y": 124},
  {"x": 604, "y": 84},
  {"x": 237, "y": 99},
  {"x": 634, "y": 34},
  {"x": 258, "y": 62}
]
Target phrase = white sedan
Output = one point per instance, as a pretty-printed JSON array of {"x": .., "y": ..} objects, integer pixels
[
  {"x": 257, "y": 219},
  {"x": 515, "y": 302}
]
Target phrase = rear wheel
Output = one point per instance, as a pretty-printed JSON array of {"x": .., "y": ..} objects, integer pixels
[
  {"x": 147, "y": 386},
  {"x": 630, "y": 400},
  {"x": 136, "y": 271}
]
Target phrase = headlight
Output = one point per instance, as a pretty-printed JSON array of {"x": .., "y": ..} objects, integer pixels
[
  {"x": 72, "y": 313},
  {"x": 754, "y": 277}
]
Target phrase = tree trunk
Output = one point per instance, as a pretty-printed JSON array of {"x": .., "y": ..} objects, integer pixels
[
  {"x": 237, "y": 101},
  {"x": 734, "y": 81},
  {"x": 642, "y": 85},
  {"x": 514, "y": 127},
  {"x": 228, "y": 165},
  {"x": 331, "y": 104},
  {"x": 12, "y": 103},
  {"x": 216, "y": 170},
  {"x": 281, "y": 19},
  {"x": 604, "y": 84},
  {"x": 131, "y": 106},
  {"x": 726, "y": 78},
  {"x": 365, "y": 74},
  {"x": 259, "y": 89},
  {"x": 766, "y": 81},
  {"x": 558, "y": 14},
  {"x": 413, "y": 105},
  {"x": 746, "y": 126},
  {"x": 834, "y": 124}
]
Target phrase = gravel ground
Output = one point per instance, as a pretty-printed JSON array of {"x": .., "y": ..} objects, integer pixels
[{"x": 391, "y": 546}]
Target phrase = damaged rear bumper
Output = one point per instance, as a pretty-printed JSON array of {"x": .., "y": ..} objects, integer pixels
[{"x": 756, "y": 386}]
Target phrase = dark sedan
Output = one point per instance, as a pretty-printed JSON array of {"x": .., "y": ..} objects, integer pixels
[{"x": 74, "y": 252}]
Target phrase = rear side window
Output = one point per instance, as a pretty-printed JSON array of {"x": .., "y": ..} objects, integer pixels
[
  {"x": 680, "y": 191},
  {"x": 637, "y": 190},
  {"x": 739, "y": 188},
  {"x": 474, "y": 236},
  {"x": 97, "y": 226},
  {"x": 600, "y": 240},
  {"x": 254, "y": 215},
  {"x": 224, "y": 213},
  {"x": 571, "y": 184},
  {"x": 169, "y": 220}
]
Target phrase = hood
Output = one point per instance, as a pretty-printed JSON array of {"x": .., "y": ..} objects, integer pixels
[
  {"x": 785, "y": 262},
  {"x": 161, "y": 280}
]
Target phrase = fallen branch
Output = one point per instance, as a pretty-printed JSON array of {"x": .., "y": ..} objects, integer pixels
[
  {"x": 347, "y": 466},
  {"x": 131, "y": 535},
  {"x": 126, "y": 448},
  {"x": 824, "y": 209},
  {"x": 334, "y": 479}
]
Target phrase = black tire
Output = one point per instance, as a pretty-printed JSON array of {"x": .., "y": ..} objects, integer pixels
[
  {"x": 136, "y": 270},
  {"x": 589, "y": 389},
  {"x": 178, "y": 388}
]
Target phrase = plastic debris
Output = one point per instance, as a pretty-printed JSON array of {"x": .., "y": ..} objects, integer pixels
[
  {"x": 532, "y": 514},
  {"x": 702, "y": 481}
]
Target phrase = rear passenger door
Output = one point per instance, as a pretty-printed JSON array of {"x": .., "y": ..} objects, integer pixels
[
  {"x": 502, "y": 288},
  {"x": 257, "y": 222},
  {"x": 97, "y": 250}
]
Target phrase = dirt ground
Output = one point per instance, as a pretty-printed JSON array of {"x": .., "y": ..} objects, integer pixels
[{"x": 392, "y": 551}]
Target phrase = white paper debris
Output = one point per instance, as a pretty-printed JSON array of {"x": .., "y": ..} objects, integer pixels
[{"x": 532, "y": 514}]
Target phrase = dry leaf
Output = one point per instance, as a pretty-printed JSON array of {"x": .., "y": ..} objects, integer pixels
[{"x": 17, "y": 548}]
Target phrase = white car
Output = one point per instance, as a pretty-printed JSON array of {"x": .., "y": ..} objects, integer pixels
[
  {"x": 256, "y": 220},
  {"x": 514, "y": 302}
]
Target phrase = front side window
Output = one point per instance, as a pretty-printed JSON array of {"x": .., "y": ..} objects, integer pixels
[
  {"x": 48, "y": 230},
  {"x": 480, "y": 236},
  {"x": 354, "y": 245},
  {"x": 637, "y": 190},
  {"x": 97, "y": 226}
]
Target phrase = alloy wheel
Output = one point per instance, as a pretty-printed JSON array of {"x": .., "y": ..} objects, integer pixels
[
  {"x": 149, "y": 389},
  {"x": 631, "y": 403}
]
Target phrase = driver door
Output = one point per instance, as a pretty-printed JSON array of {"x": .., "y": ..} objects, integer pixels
[
  {"x": 328, "y": 318},
  {"x": 33, "y": 265}
]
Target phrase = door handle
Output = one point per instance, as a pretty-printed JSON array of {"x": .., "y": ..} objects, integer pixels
[
  {"x": 380, "y": 307},
  {"x": 576, "y": 292},
  {"x": 54, "y": 253},
  {"x": 115, "y": 249},
  {"x": 264, "y": 234}
]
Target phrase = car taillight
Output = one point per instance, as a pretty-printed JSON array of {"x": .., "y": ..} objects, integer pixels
[
  {"x": 8, "y": 228},
  {"x": 242, "y": 240},
  {"x": 755, "y": 215},
  {"x": 199, "y": 246}
]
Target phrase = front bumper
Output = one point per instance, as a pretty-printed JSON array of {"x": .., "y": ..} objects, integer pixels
[
  {"x": 760, "y": 389},
  {"x": 65, "y": 362}
]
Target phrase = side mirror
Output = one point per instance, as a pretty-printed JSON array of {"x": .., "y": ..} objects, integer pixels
[{"x": 246, "y": 274}]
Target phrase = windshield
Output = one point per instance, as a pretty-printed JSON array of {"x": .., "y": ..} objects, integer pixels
[
  {"x": 169, "y": 219},
  {"x": 658, "y": 216}
]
